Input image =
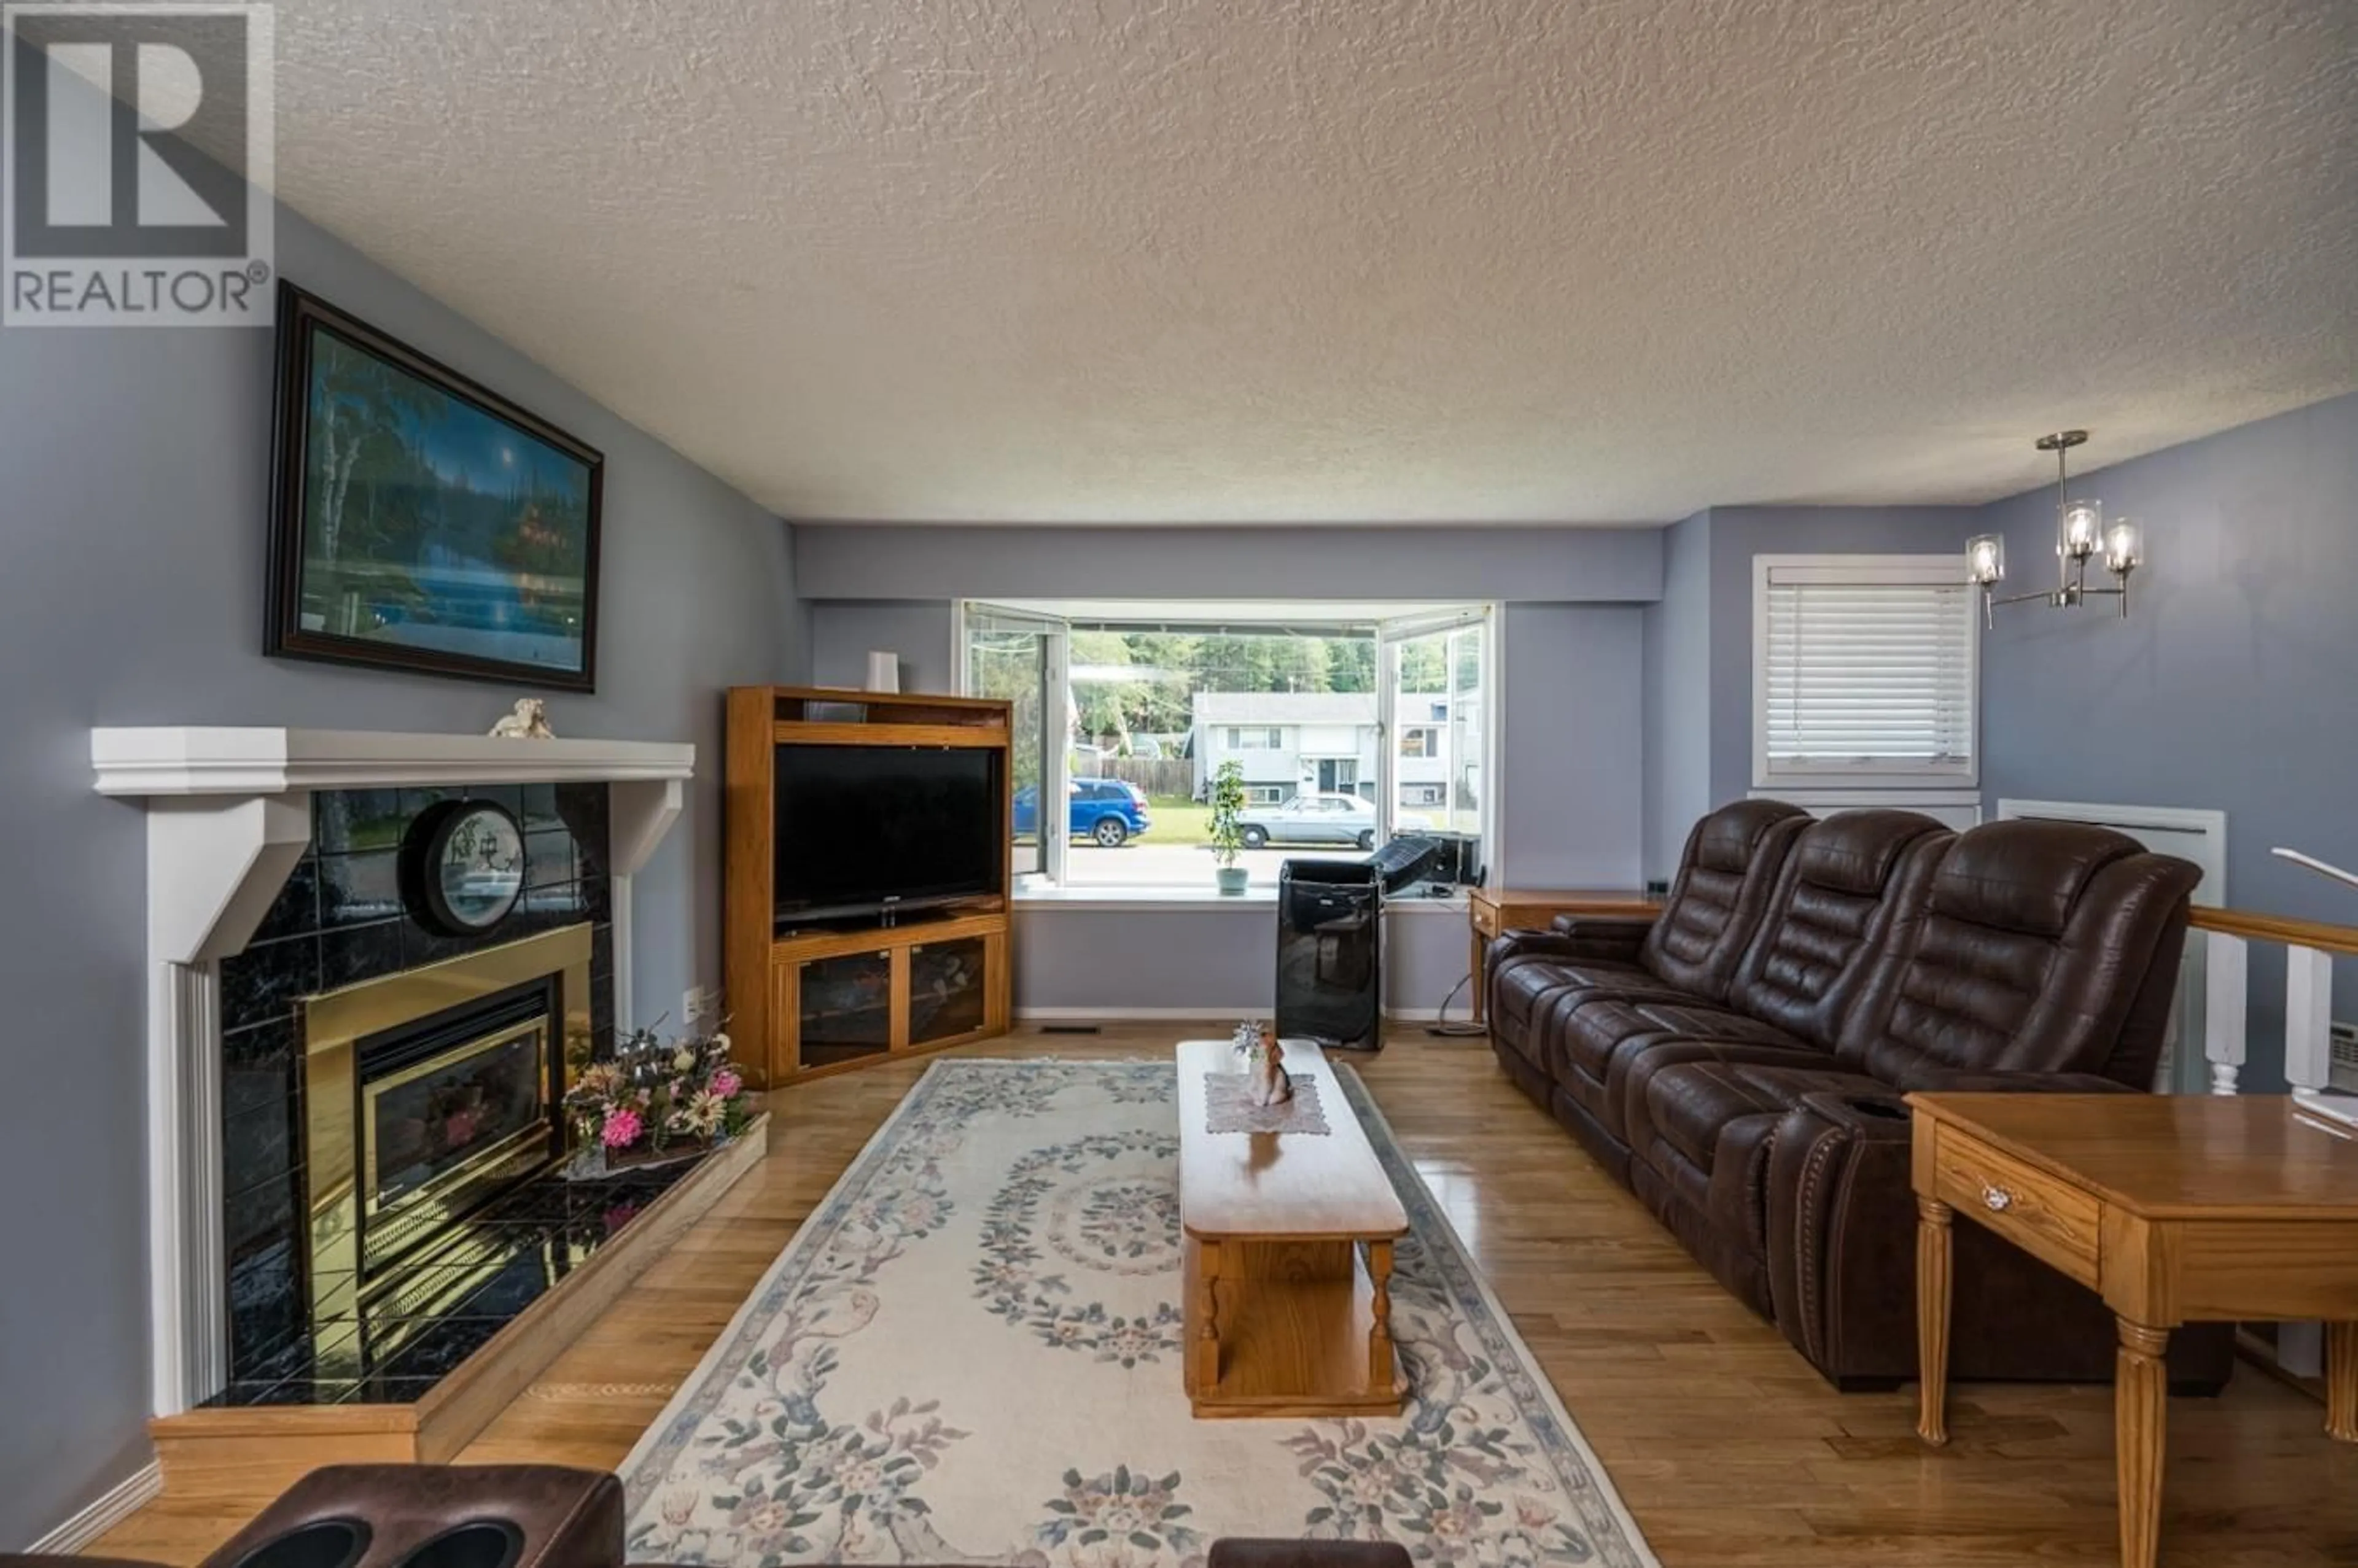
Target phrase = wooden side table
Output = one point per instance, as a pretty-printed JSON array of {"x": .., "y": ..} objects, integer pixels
[
  {"x": 2175, "y": 1208},
  {"x": 1490, "y": 911}
]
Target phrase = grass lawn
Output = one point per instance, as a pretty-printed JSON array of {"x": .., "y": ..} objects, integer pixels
[{"x": 1177, "y": 820}]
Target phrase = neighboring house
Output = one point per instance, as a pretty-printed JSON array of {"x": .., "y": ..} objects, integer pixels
[{"x": 1288, "y": 741}]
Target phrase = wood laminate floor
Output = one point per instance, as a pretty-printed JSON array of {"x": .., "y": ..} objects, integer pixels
[{"x": 1725, "y": 1444}]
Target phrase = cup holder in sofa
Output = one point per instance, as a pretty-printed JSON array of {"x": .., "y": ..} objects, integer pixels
[
  {"x": 1880, "y": 1109},
  {"x": 322, "y": 1543},
  {"x": 478, "y": 1543}
]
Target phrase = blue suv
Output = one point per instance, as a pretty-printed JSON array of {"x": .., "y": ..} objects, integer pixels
[{"x": 1103, "y": 811}]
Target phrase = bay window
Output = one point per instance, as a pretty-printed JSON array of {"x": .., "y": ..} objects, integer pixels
[{"x": 1347, "y": 725}]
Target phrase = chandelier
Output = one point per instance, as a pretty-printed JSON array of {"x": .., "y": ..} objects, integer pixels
[{"x": 2080, "y": 533}]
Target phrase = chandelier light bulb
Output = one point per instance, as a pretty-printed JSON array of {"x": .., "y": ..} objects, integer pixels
[
  {"x": 2083, "y": 527},
  {"x": 2123, "y": 545},
  {"x": 1985, "y": 558}
]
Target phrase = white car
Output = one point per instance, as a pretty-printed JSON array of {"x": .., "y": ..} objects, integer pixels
[{"x": 1310, "y": 819}]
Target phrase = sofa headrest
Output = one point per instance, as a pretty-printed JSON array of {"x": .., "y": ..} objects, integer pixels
[
  {"x": 1729, "y": 837},
  {"x": 1857, "y": 852},
  {"x": 2025, "y": 876}
]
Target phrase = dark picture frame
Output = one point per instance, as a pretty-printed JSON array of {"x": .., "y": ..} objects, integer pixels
[{"x": 418, "y": 520}]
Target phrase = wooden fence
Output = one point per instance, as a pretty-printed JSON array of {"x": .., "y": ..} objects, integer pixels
[{"x": 1156, "y": 775}]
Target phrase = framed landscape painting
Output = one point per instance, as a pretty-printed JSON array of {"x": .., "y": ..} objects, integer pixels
[{"x": 422, "y": 522}]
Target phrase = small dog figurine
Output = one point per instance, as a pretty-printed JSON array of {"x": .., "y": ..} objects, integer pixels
[
  {"x": 1271, "y": 1084},
  {"x": 528, "y": 722}
]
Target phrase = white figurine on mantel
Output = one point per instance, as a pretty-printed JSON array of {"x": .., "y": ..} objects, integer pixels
[{"x": 527, "y": 722}]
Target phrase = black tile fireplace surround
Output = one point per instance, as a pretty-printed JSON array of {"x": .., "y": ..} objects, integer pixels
[{"x": 336, "y": 922}]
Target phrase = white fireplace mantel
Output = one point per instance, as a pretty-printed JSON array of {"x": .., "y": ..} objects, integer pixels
[
  {"x": 209, "y": 761},
  {"x": 229, "y": 815}
]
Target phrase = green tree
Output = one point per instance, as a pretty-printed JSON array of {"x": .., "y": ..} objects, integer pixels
[
  {"x": 1422, "y": 666},
  {"x": 1104, "y": 705},
  {"x": 1263, "y": 663},
  {"x": 1351, "y": 663}
]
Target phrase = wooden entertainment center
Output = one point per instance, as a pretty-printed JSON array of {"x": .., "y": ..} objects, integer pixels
[{"x": 831, "y": 995}]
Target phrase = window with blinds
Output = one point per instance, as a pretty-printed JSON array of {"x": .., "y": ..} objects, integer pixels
[{"x": 1864, "y": 670}]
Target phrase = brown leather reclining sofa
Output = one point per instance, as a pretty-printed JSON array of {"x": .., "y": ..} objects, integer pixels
[{"x": 1737, "y": 1060}]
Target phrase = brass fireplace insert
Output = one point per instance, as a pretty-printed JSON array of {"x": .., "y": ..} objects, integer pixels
[{"x": 425, "y": 1093}]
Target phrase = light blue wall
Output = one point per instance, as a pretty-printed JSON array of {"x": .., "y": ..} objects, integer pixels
[
  {"x": 1678, "y": 645},
  {"x": 2233, "y": 685},
  {"x": 138, "y": 499},
  {"x": 1213, "y": 962},
  {"x": 843, "y": 633},
  {"x": 1572, "y": 781}
]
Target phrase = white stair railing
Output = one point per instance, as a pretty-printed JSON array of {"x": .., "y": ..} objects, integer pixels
[{"x": 2310, "y": 948}]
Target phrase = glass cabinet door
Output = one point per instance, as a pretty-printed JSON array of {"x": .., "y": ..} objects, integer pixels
[
  {"x": 948, "y": 996},
  {"x": 845, "y": 1006}
]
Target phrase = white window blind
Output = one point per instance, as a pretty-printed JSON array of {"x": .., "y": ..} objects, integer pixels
[{"x": 1866, "y": 670}]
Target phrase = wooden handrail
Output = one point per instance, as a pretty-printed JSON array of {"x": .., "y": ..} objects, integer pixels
[{"x": 2319, "y": 934}]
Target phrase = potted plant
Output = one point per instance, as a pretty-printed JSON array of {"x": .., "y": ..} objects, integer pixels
[{"x": 1228, "y": 838}]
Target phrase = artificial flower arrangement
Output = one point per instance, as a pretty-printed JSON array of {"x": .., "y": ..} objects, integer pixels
[{"x": 655, "y": 1099}]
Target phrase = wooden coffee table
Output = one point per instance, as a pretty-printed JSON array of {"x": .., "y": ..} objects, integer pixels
[{"x": 1288, "y": 1239}]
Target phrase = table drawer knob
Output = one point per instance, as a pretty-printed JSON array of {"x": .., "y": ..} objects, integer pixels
[{"x": 1997, "y": 1200}]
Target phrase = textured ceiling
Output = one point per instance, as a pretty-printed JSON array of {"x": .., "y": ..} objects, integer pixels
[{"x": 1351, "y": 259}]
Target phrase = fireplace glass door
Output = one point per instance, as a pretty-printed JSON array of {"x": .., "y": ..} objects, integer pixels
[{"x": 449, "y": 1114}]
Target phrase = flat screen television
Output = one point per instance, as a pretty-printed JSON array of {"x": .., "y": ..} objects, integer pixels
[{"x": 863, "y": 829}]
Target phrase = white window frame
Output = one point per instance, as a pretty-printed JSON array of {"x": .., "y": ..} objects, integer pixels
[
  {"x": 1902, "y": 570},
  {"x": 1389, "y": 635},
  {"x": 1051, "y": 826}
]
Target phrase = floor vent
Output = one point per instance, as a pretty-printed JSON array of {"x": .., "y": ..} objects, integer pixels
[
  {"x": 2343, "y": 1072},
  {"x": 1070, "y": 1029}
]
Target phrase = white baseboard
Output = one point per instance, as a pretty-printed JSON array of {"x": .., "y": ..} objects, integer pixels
[
  {"x": 110, "y": 1509},
  {"x": 1162, "y": 1014},
  {"x": 1138, "y": 1015}
]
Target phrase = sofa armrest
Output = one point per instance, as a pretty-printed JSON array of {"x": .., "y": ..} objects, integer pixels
[
  {"x": 1575, "y": 939},
  {"x": 1509, "y": 944},
  {"x": 1840, "y": 1212},
  {"x": 1620, "y": 930}
]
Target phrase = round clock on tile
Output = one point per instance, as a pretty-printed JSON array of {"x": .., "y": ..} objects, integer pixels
[{"x": 462, "y": 866}]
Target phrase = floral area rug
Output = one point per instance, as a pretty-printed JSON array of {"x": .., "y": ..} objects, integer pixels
[{"x": 972, "y": 1354}]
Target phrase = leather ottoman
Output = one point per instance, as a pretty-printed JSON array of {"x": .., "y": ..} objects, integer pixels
[{"x": 436, "y": 1515}]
